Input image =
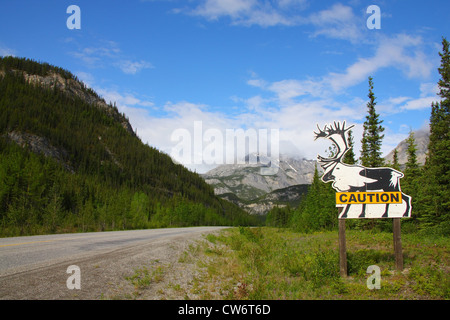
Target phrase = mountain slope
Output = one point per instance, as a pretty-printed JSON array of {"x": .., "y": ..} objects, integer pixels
[
  {"x": 71, "y": 162},
  {"x": 290, "y": 196},
  {"x": 247, "y": 182},
  {"x": 422, "y": 138},
  {"x": 244, "y": 184}
]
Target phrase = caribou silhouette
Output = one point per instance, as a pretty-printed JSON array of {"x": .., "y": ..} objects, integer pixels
[{"x": 353, "y": 178}]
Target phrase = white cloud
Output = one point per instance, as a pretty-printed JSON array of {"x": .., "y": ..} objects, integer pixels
[
  {"x": 291, "y": 88},
  {"x": 122, "y": 100},
  {"x": 257, "y": 83},
  {"x": 5, "y": 52},
  {"x": 109, "y": 53},
  {"x": 93, "y": 56},
  {"x": 214, "y": 9},
  {"x": 251, "y": 12},
  {"x": 158, "y": 131},
  {"x": 401, "y": 51},
  {"x": 86, "y": 77},
  {"x": 133, "y": 67},
  {"x": 428, "y": 89},
  {"x": 338, "y": 22},
  {"x": 417, "y": 104},
  {"x": 428, "y": 95}
]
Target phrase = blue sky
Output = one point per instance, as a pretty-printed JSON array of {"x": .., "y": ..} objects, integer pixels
[{"x": 286, "y": 64}]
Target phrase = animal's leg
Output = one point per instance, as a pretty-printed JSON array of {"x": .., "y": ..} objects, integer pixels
[
  {"x": 408, "y": 204},
  {"x": 347, "y": 208},
  {"x": 385, "y": 214},
  {"x": 363, "y": 211}
]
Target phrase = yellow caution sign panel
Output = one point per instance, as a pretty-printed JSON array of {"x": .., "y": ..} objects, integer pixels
[{"x": 368, "y": 197}]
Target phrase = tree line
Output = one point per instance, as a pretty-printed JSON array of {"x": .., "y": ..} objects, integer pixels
[{"x": 427, "y": 184}]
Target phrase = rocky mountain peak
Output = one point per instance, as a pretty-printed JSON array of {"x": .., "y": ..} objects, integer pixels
[
  {"x": 422, "y": 138},
  {"x": 247, "y": 182}
]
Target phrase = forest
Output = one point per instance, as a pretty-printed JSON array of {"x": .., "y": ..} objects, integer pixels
[
  {"x": 90, "y": 173},
  {"x": 427, "y": 184}
]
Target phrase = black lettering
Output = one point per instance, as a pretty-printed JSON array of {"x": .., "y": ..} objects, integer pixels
[
  {"x": 395, "y": 197},
  {"x": 384, "y": 197},
  {"x": 363, "y": 196}
]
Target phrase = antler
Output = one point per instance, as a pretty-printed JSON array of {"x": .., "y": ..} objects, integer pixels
[
  {"x": 328, "y": 130},
  {"x": 337, "y": 135}
]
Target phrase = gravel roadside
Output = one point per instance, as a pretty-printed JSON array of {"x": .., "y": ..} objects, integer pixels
[{"x": 150, "y": 270}]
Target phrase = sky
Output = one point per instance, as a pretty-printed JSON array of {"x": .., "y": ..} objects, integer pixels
[{"x": 187, "y": 72}]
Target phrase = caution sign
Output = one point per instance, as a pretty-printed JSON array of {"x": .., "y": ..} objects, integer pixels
[
  {"x": 368, "y": 197},
  {"x": 361, "y": 192}
]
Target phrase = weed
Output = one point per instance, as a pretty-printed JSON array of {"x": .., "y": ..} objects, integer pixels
[{"x": 143, "y": 277}]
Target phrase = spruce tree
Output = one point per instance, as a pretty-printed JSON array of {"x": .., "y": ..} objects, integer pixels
[
  {"x": 395, "y": 164},
  {"x": 439, "y": 146},
  {"x": 412, "y": 166},
  {"x": 349, "y": 157},
  {"x": 435, "y": 195},
  {"x": 412, "y": 180},
  {"x": 372, "y": 134}
]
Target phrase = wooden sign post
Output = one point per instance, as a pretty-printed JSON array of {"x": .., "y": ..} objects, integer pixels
[
  {"x": 362, "y": 192},
  {"x": 397, "y": 244},
  {"x": 342, "y": 249}
]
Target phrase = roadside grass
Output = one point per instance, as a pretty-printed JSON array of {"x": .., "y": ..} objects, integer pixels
[
  {"x": 142, "y": 278},
  {"x": 270, "y": 263}
]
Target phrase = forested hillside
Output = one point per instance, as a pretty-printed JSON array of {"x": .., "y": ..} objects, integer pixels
[{"x": 70, "y": 162}]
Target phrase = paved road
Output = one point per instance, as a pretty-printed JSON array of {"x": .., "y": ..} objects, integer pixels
[{"x": 30, "y": 266}]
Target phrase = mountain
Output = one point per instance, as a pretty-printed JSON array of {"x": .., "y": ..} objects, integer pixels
[
  {"x": 247, "y": 182},
  {"x": 422, "y": 138},
  {"x": 71, "y": 162},
  {"x": 248, "y": 186},
  {"x": 289, "y": 196}
]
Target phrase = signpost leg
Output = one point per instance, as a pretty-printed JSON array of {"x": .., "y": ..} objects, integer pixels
[
  {"x": 342, "y": 247},
  {"x": 398, "y": 244}
]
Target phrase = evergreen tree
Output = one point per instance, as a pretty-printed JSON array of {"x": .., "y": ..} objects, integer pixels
[
  {"x": 412, "y": 167},
  {"x": 435, "y": 195},
  {"x": 318, "y": 210},
  {"x": 395, "y": 164},
  {"x": 349, "y": 157},
  {"x": 439, "y": 146},
  {"x": 412, "y": 172},
  {"x": 372, "y": 137}
]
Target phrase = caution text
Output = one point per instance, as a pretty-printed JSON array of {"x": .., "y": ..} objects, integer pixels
[{"x": 368, "y": 197}]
